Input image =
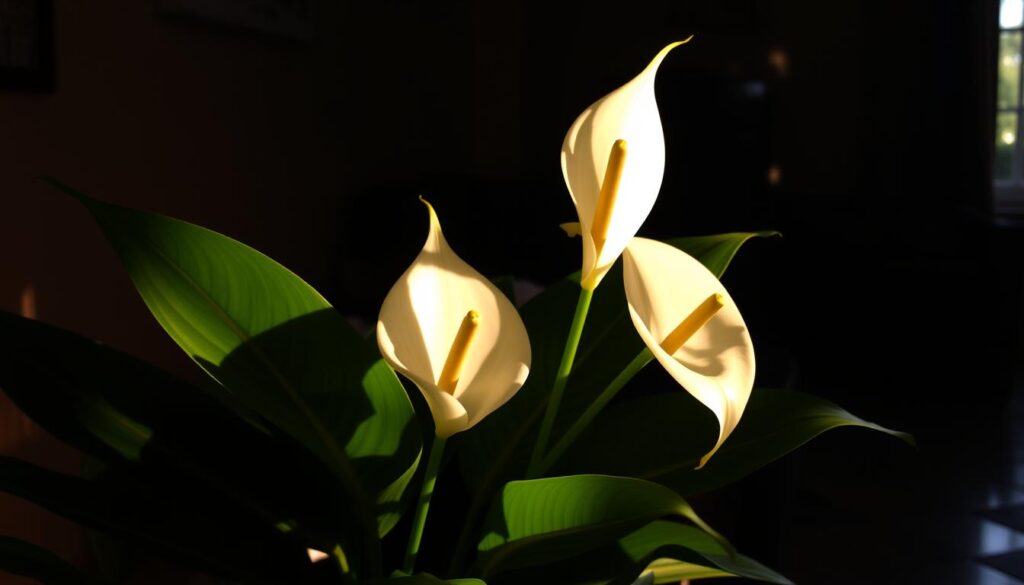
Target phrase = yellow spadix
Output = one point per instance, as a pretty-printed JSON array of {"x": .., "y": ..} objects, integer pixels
[
  {"x": 454, "y": 334},
  {"x": 452, "y": 369},
  {"x": 594, "y": 166},
  {"x": 694, "y": 329}
]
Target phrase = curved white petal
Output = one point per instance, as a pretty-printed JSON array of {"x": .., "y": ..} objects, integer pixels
[
  {"x": 418, "y": 323},
  {"x": 663, "y": 285},
  {"x": 629, "y": 113}
]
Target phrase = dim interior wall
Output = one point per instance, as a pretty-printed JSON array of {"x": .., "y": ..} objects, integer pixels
[{"x": 263, "y": 139}]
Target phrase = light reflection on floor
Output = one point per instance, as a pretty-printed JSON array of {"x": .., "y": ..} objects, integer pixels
[
  {"x": 995, "y": 538},
  {"x": 986, "y": 576}
]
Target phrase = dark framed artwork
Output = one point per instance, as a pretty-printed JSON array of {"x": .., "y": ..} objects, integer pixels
[{"x": 26, "y": 45}]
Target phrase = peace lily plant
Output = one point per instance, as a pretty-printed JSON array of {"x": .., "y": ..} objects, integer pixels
[{"x": 303, "y": 460}]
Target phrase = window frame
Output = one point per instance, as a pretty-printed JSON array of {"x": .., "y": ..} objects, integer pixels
[{"x": 1008, "y": 194}]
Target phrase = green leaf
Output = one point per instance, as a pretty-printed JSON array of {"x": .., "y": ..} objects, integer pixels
[
  {"x": 84, "y": 393},
  {"x": 659, "y": 552},
  {"x": 691, "y": 550},
  {"x": 673, "y": 571},
  {"x": 498, "y": 448},
  {"x": 126, "y": 412},
  {"x": 166, "y": 519},
  {"x": 278, "y": 346},
  {"x": 717, "y": 251},
  {"x": 540, "y": 521},
  {"x": 95, "y": 398},
  {"x": 609, "y": 343},
  {"x": 28, "y": 560},
  {"x": 680, "y": 430}
]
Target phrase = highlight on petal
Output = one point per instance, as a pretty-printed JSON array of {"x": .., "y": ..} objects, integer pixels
[
  {"x": 664, "y": 285},
  {"x": 420, "y": 320},
  {"x": 315, "y": 556},
  {"x": 629, "y": 113}
]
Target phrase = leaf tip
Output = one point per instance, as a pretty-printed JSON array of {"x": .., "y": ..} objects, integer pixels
[
  {"x": 67, "y": 190},
  {"x": 906, "y": 438}
]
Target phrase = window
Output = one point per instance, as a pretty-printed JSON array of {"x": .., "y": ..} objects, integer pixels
[{"x": 1008, "y": 169}]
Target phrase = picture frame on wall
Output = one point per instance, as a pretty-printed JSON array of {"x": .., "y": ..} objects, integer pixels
[{"x": 26, "y": 46}]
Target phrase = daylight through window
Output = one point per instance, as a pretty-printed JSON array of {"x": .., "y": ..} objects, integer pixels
[{"x": 1008, "y": 172}]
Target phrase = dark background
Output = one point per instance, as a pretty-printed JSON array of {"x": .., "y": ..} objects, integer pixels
[{"x": 862, "y": 131}]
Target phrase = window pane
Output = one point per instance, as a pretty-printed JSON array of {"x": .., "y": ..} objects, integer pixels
[
  {"x": 1009, "y": 70},
  {"x": 1011, "y": 13},
  {"x": 1006, "y": 138}
]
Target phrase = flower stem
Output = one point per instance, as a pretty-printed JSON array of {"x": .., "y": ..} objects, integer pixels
[
  {"x": 595, "y": 408},
  {"x": 427, "y": 490},
  {"x": 561, "y": 378}
]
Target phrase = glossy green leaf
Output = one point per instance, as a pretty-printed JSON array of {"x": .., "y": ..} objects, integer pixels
[
  {"x": 539, "y": 521},
  {"x": 125, "y": 411},
  {"x": 28, "y": 560},
  {"x": 680, "y": 552},
  {"x": 717, "y": 251},
  {"x": 660, "y": 552},
  {"x": 497, "y": 449},
  {"x": 95, "y": 398},
  {"x": 280, "y": 348},
  {"x": 672, "y": 571},
  {"x": 678, "y": 429},
  {"x": 163, "y": 518},
  {"x": 609, "y": 343}
]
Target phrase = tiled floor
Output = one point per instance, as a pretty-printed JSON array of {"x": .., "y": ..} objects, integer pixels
[
  {"x": 854, "y": 507},
  {"x": 1001, "y": 531},
  {"x": 1000, "y": 541},
  {"x": 903, "y": 518}
]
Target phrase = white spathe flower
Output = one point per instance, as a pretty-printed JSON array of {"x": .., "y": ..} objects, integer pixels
[
  {"x": 664, "y": 285},
  {"x": 628, "y": 114},
  {"x": 423, "y": 315}
]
